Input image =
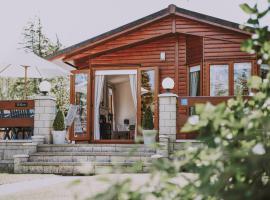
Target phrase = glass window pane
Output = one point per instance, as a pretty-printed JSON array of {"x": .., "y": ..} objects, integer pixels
[
  {"x": 264, "y": 69},
  {"x": 242, "y": 72},
  {"x": 194, "y": 81},
  {"x": 147, "y": 92},
  {"x": 219, "y": 80},
  {"x": 80, "y": 122}
]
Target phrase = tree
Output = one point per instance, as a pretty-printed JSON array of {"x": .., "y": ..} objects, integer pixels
[
  {"x": 147, "y": 122},
  {"x": 34, "y": 40}
]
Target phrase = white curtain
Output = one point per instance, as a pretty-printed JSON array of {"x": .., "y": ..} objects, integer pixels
[
  {"x": 133, "y": 86},
  {"x": 194, "y": 83},
  {"x": 113, "y": 110},
  {"x": 99, "y": 82}
]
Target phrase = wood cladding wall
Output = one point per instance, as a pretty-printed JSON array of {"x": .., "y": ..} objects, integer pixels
[
  {"x": 146, "y": 55},
  {"x": 185, "y": 42},
  {"x": 194, "y": 49}
]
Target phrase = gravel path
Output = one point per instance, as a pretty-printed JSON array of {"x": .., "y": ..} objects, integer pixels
[{"x": 55, "y": 187}]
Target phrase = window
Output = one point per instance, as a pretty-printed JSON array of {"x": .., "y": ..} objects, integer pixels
[
  {"x": 194, "y": 81},
  {"x": 242, "y": 72},
  {"x": 264, "y": 71},
  {"x": 148, "y": 94},
  {"x": 219, "y": 80}
]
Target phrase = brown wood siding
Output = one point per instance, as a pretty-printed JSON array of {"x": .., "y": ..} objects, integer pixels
[
  {"x": 215, "y": 49},
  {"x": 81, "y": 63},
  {"x": 146, "y": 55},
  {"x": 192, "y": 27},
  {"x": 155, "y": 29},
  {"x": 183, "y": 79},
  {"x": 194, "y": 49}
]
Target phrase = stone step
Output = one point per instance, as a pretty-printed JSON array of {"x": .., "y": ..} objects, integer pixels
[
  {"x": 6, "y": 166},
  {"x": 101, "y": 153},
  {"x": 95, "y": 148},
  {"x": 82, "y": 168},
  {"x": 89, "y": 157}
]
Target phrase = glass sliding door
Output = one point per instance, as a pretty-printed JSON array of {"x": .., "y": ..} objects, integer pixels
[
  {"x": 80, "y": 85},
  {"x": 148, "y": 91},
  {"x": 194, "y": 81},
  {"x": 219, "y": 80},
  {"x": 242, "y": 72},
  {"x": 115, "y": 105}
]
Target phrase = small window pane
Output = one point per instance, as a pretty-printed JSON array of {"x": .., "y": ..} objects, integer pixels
[
  {"x": 264, "y": 69},
  {"x": 80, "y": 122},
  {"x": 242, "y": 72},
  {"x": 194, "y": 81},
  {"x": 219, "y": 80}
]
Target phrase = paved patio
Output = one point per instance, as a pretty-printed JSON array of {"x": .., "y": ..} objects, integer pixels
[{"x": 44, "y": 187}]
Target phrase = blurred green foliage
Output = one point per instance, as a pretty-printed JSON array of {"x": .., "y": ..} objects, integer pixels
[{"x": 233, "y": 163}]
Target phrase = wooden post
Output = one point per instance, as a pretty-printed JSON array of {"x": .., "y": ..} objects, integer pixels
[{"x": 25, "y": 82}]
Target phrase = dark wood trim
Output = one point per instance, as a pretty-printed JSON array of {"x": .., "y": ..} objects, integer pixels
[
  {"x": 156, "y": 114},
  {"x": 176, "y": 57},
  {"x": 230, "y": 64},
  {"x": 192, "y": 101},
  {"x": 86, "y": 136},
  {"x": 16, "y": 122},
  {"x": 11, "y": 105},
  {"x": 113, "y": 142},
  {"x": 93, "y": 71}
]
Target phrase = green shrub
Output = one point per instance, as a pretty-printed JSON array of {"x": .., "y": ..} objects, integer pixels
[
  {"x": 233, "y": 161},
  {"x": 147, "y": 122},
  {"x": 59, "y": 121}
]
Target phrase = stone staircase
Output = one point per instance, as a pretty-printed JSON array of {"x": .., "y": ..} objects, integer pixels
[{"x": 76, "y": 159}]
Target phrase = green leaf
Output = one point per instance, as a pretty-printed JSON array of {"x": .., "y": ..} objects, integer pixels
[
  {"x": 253, "y": 21},
  {"x": 262, "y": 14},
  {"x": 247, "y": 9},
  {"x": 255, "y": 82}
]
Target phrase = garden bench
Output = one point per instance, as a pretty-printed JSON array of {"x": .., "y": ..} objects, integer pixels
[{"x": 17, "y": 116}]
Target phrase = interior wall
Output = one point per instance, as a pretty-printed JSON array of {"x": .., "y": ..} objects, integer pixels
[{"x": 123, "y": 103}]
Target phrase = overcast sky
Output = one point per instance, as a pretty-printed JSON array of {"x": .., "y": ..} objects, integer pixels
[{"x": 76, "y": 20}]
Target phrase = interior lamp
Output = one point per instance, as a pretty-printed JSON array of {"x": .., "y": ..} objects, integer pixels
[
  {"x": 168, "y": 84},
  {"x": 45, "y": 87}
]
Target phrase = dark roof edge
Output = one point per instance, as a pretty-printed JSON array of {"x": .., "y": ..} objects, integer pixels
[
  {"x": 209, "y": 18},
  {"x": 171, "y": 9},
  {"x": 113, "y": 31}
]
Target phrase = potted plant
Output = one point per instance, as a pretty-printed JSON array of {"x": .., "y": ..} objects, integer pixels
[
  {"x": 149, "y": 134},
  {"x": 59, "y": 132}
]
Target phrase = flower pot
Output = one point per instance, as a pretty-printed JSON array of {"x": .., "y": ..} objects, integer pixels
[
  {"x": 59, "y": 137},
  {"x": 149, "y": 136}
]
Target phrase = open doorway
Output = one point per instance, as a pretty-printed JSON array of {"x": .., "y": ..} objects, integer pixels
[{"x": 115, "y": 110}]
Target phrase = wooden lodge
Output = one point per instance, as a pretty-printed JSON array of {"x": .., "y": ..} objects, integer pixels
[{"x": 119, "y": 73}]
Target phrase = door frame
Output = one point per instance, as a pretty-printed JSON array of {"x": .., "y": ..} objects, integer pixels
[
  {"x": 87, "y": 136},
  {"x": 93, "y": 72},
  {"x": 156, "y": 113}
]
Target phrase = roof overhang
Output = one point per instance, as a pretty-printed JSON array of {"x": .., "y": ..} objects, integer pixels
[{"x": 69, "y": 53}]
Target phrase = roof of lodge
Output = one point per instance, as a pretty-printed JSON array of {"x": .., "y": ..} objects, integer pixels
[{"x": 165, "y": 12}]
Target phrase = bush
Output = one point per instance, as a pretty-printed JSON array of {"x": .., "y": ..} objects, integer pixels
[
  {"x": 233, "y": 161},
  {"x": 59, "y": 121},
  {"x": 147, "y": 122}
]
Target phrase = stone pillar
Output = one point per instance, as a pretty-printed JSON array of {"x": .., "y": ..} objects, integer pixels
[
  {"x": 45, "y": 111},
  {"x": 18, "y": 159},
  {"x": 167, "y": 118}
]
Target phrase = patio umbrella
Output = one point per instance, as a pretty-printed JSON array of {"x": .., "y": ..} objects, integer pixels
[{"x": 19, "y": 64}]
